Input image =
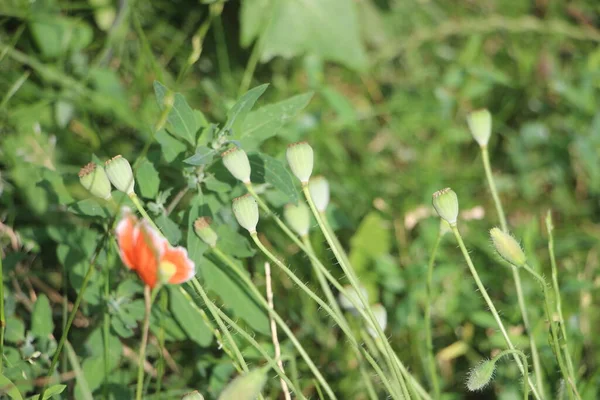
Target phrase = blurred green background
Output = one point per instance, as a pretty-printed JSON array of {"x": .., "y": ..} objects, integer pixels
[{"x": 393, "y": 82}]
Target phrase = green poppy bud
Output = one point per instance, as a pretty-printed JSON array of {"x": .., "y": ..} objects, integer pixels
[
  {"x": 300, "y": 158},
  {"x": 195, "y": 395},
  {"x": 202, "y": 227},
  {"x": 245, "y": 210},
  {"x": 481, "y": 375},
  {"x": 298, "y": 218},
  {"x": 319, "y": 192},
  {"x": 94, "y": 179},
  {"x": 445, "y": 203},
  {"x": 480, "y": 124},
  {"x": 381, "y": 317},
  {"x": 237, "y": 163},
  {"x": 508, "y": 247},
  {"x": 120, "y": 174},
  {"x": 245, "y": 387}
]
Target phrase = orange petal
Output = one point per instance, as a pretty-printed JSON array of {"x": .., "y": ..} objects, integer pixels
[
  {"x": 127, "y": 232},
  {"x": 148, "y": 250},
  {"x": 184, "y": 267}
]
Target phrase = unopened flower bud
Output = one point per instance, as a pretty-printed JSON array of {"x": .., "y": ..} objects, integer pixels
[
  {"x": 237, "y": 163},
  {"x": 300, "y": 158},
  {"x": 195, "y": 395},
  {"x": 298, "y": 218},
  {"x": 507, "y": 247},
  {"x": 481, "y": 375},
  {"x": 445, "y": 203},
  {"x": 245, "y": 387},
  {"x": 245, "y": 210},
  {"x": 94, "y": 179},
  {"x": 480, "y": 124},
  {"x": 381, "y": 316},
  {"x": 346, "y": 302},
  {"x": 319, "y": 192},
  {"x": 205, "y": 231},
  {"x": 120, "y": 174}
]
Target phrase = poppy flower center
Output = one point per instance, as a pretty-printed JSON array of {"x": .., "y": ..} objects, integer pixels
[{"x": 166, "y": 270}]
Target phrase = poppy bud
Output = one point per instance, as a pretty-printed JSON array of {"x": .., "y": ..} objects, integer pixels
[
  {"x": 245, "y": 387},
  {"x": 445, "y": 203},
  {"x": 298, "y": 218},
  {"x": 480, "y": 124},
  {"x": 508, "y": 247},
  {"x": 94, "y": 179},
  {"x": 300, "y": 158},
  {"x": 319, "y": 192},
  {"x": 481, "y": 375},
  {"x": 245, "y": 210},
  {"x": 195, "y": 395},
  {"x": 237, "y": 163},
  {"x": 205, "y": 231},
  {"x": 120, "y": 174}
]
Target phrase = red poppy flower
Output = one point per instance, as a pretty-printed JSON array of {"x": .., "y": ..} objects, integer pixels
[{"x": 145, "y": 251}]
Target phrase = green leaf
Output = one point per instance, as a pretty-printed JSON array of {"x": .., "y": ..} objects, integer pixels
[
  {"x": 171, "y": 147},
  {"x": 234, "y": 295},
  {"x": 203, "y": 156},
  {"x": 55, "y": 34},
  {"x": 187, "y": 314},
  {"x": 265, "y": 122},
  {"x": 371, "y": 240},
  {"x": 182, "y": 119},
  {"x": 9, "y": 388},
  {"x": 195, "y": 246},
  {"x": 89, "y": 208},
  {"x": 326, "y": 28},
  {"x": 147, "y": 179},
  {"x": 237, "y": 114},
  {"x": 50, "y": 392},
  {"x": 169, "y": 228},
  {"x": 15, "y": 330},
  {"x": 270, "y": 170},
  {"x": 41, "y": 317},
  {"x": 233, "y": 243}
]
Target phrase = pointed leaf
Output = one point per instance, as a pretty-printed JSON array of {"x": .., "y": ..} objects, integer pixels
[
  {"x": 182, "y": 119},
  {"x": 270, "y": 170}
]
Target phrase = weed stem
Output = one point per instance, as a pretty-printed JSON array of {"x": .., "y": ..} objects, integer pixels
[{"x": 428, "y": 336}]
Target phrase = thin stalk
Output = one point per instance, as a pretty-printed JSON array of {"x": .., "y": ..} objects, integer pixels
[
  {"x": 537, "y": 366},
  {"x": 160, "y": 368},
  {"x": 428, "y": 336},
  {"x": 2, "y": 318},
  {"x": 105, "y": 333},
  {"x": 493, "y": 310},
  {"x": 557, "y": 297},
  {"x": 554, "y": 331},
  {"x": 394, "y": 362},
  {"x": 149, "y": 296},
  {"x": 276, "y": 316},
  {"x": 525, "y": 365}
]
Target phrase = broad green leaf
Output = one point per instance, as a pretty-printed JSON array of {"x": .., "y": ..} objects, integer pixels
[
  {"x": 15, "y": 330},
  {"x": 169, "y": 228},
  {"x": 270, "y": 170},
  {"x": 182, "y": 119},
  {"x": 50, "y": 392},
  {"x": 195, "y": 246},
  {"x": 53, "y": 182},
  {"x": 187, "y": 314},
  {"x": 203, "y": 156},
  {"x": 265, "y": 122},
  {"x": 237, "y": 114},
  {"x": 41, "y": 317},
  {"x": 89, "y": 208},
  {"x": 55, "y": 34},
  {"x": 171, "y": 147},
  {"x": 171, "y": 328},
  {"x": 147, "y": 179},
  {"x": 233, "y": 243},
  {"x": 8, "y": 388},
  {"x": 232, "y": 291},
  {"x": 327, "y": 28},
  {"x": 371, "y": 240},
  {"x": 246, "y": 386}
]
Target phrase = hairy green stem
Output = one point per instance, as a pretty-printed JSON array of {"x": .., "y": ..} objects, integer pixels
[
  {"x": 525, "y": 365},
  {"x": 557, "y": 297},
  {"x": 537, "y": 366},
  {"x": 149, "y": 296},
  {"x": 2, "y": 318},
  {"x": 105, "y": 333},
  {"x": 554, "y": 331},
  {"x": 493, "y": 310},
  {"x": 428, "y": 336}
]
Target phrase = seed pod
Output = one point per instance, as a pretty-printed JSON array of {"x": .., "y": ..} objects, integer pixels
[
  {"x": 195, "y": 395},
  {"x": 245, "y": 210},
  {"x": 245, "y": 387},
  {"x": 507, "y": 247},
  {"x": 94, "y": 179},
  {"x": 120, "y": 174},
  {"x": 298, "y": 218},
  {"x": 202, "y": 227},
  {"x": 480, "y": 125},
  {"x": 445, "y": 203},
  {"x": 300, "y": 158},
  {"x": 319, "y": 192},
  {"x": 481, "y": 375},
  {"x": 237, "y": 163}
]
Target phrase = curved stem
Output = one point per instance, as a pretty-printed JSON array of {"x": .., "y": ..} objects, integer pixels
[
  {"x": 537, "y": 366},
  {"x": 525, "y": 365},
  {"x": 149, "y": 296},
  {"x": 2, "y": 318},
  {"x": 428, "y": 336},
  {"x": 492, "y": 308}
]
